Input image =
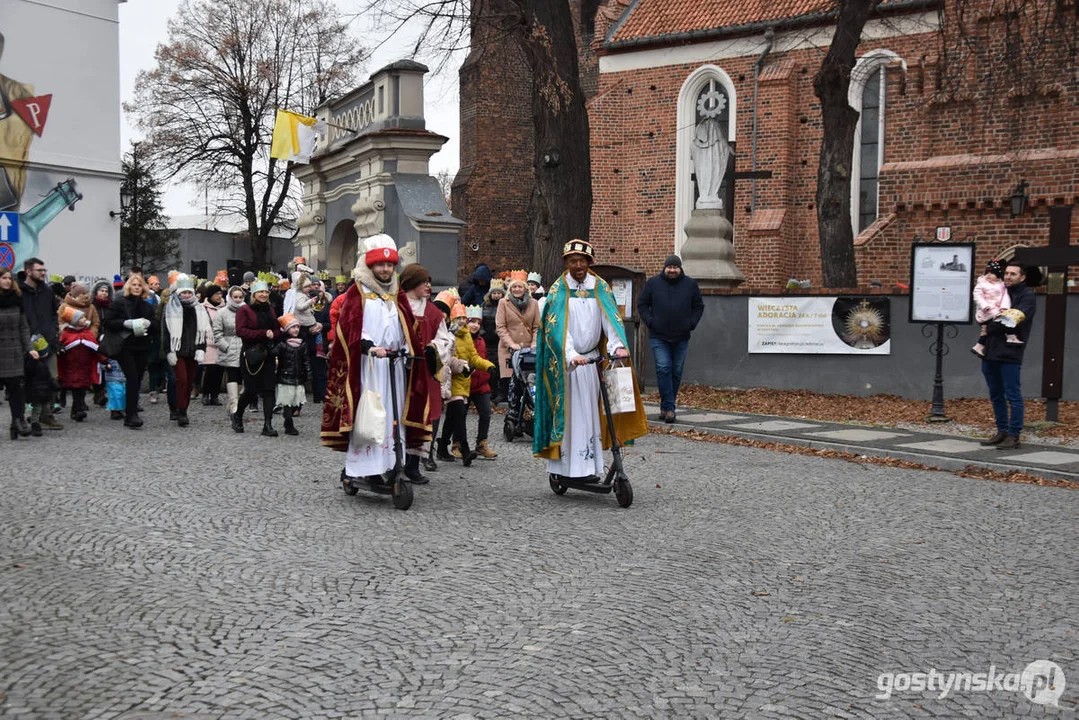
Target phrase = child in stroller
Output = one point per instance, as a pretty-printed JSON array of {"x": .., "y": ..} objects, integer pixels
[{"x": 522, "y": 395}]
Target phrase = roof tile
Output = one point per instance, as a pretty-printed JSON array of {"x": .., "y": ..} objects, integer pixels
[{"x": 659, "y": 18}]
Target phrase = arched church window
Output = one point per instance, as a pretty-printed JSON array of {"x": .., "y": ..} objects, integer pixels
[{"x": 868, "y": 95}]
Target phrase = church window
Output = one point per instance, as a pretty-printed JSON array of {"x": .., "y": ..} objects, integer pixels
[{"x": 868, "y": 95}]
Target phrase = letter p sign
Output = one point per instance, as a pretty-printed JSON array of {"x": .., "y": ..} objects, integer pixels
[{"x": 34, "y": 111}]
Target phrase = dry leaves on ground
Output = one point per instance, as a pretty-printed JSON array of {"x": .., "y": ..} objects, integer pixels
[
  {"x": 970, "y": 471},
  {"x": 875, "y": 409}
]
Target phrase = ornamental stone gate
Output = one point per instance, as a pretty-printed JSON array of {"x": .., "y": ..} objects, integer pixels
[{"x": 370, "y": 175}]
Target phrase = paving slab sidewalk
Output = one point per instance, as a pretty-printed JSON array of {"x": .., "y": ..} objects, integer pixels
[{"x": 945, "y": 451}]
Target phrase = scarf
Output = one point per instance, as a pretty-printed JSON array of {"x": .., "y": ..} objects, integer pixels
[
  {"x": 520, "y": 302},
  {"x": 387, "y": 291},
  {"x": 174, "y": 321},
  {"x": 234, "y": 306},
  {"x": 10, "y": 298}
]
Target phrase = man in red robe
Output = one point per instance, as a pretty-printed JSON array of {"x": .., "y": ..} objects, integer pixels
[{"x": 377, "y": 285}]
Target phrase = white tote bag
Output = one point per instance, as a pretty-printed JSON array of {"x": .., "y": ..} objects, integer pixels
[
  {"x": 619, "y": 381},
  {"x": 370, "y": 423}
]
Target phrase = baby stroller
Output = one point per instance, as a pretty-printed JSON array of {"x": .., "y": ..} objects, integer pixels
[{"x": 521, "y": 404}]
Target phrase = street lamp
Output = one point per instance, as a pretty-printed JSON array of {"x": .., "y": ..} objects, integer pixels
[
  {"x": 1019, "y": 199},
  {"x": 125, "y": 203}
]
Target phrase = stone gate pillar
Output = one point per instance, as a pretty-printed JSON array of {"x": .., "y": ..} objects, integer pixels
[{"x": 376, "y": 175}]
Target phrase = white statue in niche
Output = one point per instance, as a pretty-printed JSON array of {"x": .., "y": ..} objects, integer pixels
[{"x": 709, "y": 150}]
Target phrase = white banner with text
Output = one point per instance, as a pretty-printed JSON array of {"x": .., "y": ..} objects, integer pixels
[{"x": 820, "y": 325}]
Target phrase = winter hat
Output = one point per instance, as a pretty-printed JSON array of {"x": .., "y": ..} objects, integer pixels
[
  {"x": 117, "y": 282},
  {"x": 71, "y": 316},
  {"x": 68, "y": 280},
  {"x": 474, "y": 312},
  {"x": 379, "y": 248},
  {"x": 259, "y": 286},
  {"x": 222, "y": 278},
  {"x": 249, "y": 277},
  {"x": 77, "y": 289},
  {"x": 458, "y": 311},
  {"x": 535, "y": 277},
  {"x": 996, "y": 267},
  {"x": 211, "y": 289},
  {"x": 287, "y": 320},
  {"x": 579, "y": 247},
  {"x": 173, "y": 274},
  {"x": 672, "y": 260},
  {"x": 413, "y": 276}
]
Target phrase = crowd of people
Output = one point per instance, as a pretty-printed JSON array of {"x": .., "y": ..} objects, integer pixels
[{"x": 270, "y": 344}]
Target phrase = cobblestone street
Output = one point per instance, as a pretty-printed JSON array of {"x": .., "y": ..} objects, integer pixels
[{"x": 195, "y": 573}]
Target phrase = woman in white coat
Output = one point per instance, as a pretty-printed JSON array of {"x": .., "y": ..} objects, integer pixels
[{"x": 229, "y": 344}]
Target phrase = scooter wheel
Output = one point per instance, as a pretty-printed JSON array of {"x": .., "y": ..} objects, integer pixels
[
  {"x": 347, "y": 485},
  {"x": 509, "y": 430},
  {"x": 402, "y": 494},
  {"x": 557, "y": 487},
  {"x": 623, "y": 492}
]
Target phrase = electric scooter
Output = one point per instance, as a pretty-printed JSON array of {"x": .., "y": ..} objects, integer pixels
[
  {"x": 393, "y": 481},
  {"x": 616, "y": 478}
]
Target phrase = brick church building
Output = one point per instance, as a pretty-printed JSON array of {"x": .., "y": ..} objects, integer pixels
[{"x": 946, "y": 134}]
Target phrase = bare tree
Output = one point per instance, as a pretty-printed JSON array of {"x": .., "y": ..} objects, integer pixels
[
  {"x": 208, "y": 105},
  {"x": 561, "y": 204},
  {"x": 838, "y": 121}
]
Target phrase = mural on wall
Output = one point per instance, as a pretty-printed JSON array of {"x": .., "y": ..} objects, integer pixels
[{"x": 36, "y": 196}]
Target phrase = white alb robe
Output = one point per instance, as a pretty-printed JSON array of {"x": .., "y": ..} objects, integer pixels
[
  {"x": 382, "y": 326},
  {"x": 582, "y": 443}
]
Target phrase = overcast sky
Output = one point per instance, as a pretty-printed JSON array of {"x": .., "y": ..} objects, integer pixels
[{"x": 143, "y": 27}]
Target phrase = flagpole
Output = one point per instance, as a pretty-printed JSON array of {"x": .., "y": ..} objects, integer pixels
[{"x": 342, "y": 127}]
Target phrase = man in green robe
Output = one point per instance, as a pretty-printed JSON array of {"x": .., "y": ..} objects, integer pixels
[{"x": 580, "y": 322}]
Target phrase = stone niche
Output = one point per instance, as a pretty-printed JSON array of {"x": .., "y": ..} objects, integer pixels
[{"x": 371, "y": 175}]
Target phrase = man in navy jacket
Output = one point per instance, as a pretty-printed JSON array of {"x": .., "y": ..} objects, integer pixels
[
  {"x": 670, "y": 306},
  {"x": 1003, "y": 361}
]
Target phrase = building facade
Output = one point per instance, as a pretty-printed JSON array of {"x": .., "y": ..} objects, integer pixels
[
  {"x": 938, "y": 144},
  {"x": 60, "y": 134}
]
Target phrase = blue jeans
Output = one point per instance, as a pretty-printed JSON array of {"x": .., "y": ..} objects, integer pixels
[
  {"x": 1003, "y": 381},
  {"x": 670, "y": 359}
]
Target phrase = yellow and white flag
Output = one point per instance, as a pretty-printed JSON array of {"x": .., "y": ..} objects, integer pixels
[{"x": 294, "y": 136}]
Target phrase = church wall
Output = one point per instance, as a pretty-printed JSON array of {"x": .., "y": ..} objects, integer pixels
[{"x": 634, "y": 169}]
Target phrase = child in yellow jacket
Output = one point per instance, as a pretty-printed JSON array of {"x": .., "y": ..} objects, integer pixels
[{"x": 455, "y": 410}]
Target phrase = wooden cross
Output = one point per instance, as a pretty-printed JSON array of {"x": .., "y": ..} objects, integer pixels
[{"x": 1057, "y": 256}]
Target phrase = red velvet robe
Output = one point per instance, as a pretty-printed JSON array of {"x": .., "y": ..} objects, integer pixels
[{"x": 343, "y": 385}]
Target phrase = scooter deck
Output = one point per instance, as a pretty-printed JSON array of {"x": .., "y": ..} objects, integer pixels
[{"x": 597, "y": 485}]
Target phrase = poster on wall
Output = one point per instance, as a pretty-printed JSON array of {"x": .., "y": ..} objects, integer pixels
[
  {"x": 820, "y": 325},
  {"x": 941, "y": 282}
]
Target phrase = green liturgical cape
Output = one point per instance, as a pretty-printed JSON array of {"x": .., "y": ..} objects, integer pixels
[{"x": 550, "y": 418}]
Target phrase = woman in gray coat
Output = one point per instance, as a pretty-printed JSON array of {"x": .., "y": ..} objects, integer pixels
[
  {"x": 14, "y": 349},
  {"x": 228, "y": 344}
]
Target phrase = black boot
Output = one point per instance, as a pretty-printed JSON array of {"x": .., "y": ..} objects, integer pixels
[
  {"x": 14, "y": 431},
  {"x": 181, "y": 418},
  {"x": 268, "y": 431},
  {"x": 206, "y": 399},
  {"x": 443, "y": 452},
  {"x": 35, "y": 429},
  {"x": 290, "y": 429},
  {"x": 133, "y": 420},
  {"x": 412, "y": 470},
  {"x": 237, "y": 421},
  {"x": 467, "y": 454},
  {"x": 23, "y": 426}
]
